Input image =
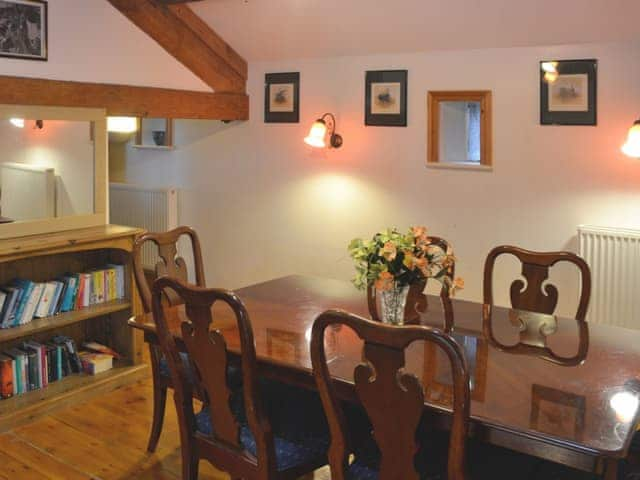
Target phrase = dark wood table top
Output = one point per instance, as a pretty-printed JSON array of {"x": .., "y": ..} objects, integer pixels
[{"x": 589, "y": 409}]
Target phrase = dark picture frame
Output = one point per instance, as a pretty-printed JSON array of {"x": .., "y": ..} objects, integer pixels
[
  {"x": 24, "y": 29},
  {"x": 282, "y": 97},
  {"x": 386, "y": 98},
  {"x": 568, "y": 92}
]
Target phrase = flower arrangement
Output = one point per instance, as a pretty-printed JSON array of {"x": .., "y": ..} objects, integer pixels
[{"x": 392, "y": 259}]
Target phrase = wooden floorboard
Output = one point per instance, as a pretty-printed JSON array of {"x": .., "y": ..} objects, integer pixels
[{"x": 102, "y": 439}]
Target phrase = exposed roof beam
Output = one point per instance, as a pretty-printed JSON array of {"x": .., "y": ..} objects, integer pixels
[
  {"x": 125, "y": 100},
  {"x": 206, "y": 59}
]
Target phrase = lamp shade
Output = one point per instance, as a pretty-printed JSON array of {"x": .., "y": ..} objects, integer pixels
[
  {"x": 632, "y": 145},
  {"x": 317, "y": 134}
]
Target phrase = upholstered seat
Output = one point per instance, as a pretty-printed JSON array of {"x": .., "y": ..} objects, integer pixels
[{"x": 298, "y": 422}]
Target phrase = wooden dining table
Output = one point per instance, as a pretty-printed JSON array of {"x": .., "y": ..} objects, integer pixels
[{"x": 582, "y": 414}]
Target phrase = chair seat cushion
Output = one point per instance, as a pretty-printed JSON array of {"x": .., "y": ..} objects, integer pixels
[{"x": 297, "y": 419}]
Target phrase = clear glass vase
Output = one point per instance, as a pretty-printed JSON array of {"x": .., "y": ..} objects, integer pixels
[{"x": 393, "y": 303}]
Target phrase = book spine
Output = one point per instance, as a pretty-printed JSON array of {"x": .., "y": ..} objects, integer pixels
[
  {"x": 14, "y": 369},
  {"x": 6, "y": 377}
]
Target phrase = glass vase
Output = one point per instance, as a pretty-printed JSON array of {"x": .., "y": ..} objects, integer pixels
[{"x": 393, "y": 303}]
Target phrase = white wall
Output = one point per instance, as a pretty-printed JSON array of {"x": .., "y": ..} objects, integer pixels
[
  {"x": 90, "y": 41},
  {"x": 62, "y": 145},
  {"x": 266, "y": 205}
]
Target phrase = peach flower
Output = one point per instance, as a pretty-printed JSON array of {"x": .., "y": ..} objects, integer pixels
[
  {"x": 389, "y": 251},
  {"x": 384, "y": 282},
  {"x": 419, "y": 232}
]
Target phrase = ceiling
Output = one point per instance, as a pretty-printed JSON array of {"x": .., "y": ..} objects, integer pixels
[{"x": 290, "y": 29}]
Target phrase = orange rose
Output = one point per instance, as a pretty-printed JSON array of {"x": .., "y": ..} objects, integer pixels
[
  {"x": 384, "y": 282},
  {"x": 389, "y": 251},
  {"x": 419, "y": 232}
]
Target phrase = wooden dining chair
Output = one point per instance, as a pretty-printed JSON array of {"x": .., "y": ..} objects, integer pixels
[
  {"x": 538, "y": 296},
  {"x": 416, "y": 299},
  {"x": 392, "y": 399},
  {"x": 169, "y": 264},
  {"x": 234, "y": 430}
]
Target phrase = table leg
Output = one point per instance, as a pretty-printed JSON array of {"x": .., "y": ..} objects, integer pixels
[{"x": 611, "y": 469}]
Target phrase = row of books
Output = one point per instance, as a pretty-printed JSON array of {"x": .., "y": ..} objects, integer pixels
[
  {"x": 23, "y": 300},
  {"x": 35, "y": 365}
]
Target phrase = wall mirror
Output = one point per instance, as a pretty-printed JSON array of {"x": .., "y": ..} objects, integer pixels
[
  {"x": 52, "y": 169},
  {"x": 459, "y": 132}
]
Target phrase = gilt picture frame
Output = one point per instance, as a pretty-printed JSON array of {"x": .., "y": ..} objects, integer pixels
[
  {"x": 386, "y": 98},
  {"x": 24, "y": 29},
  {"x": 568, "y": 92},
  {"x": 282, "y": 97}
]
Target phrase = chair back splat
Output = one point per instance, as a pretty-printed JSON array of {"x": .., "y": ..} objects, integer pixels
[{"x": 392, "y": 398}]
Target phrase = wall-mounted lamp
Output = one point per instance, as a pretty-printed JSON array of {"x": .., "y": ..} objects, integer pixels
[
  {"x": 632, "y": 145},
  {"x": 122, "y": 124},
  {"x": 319, "y": 130}
]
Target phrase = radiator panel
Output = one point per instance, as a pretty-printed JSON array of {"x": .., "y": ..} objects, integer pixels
[
  {"x": 154, "y": 209},
  {"x": 614, "y": 258}
]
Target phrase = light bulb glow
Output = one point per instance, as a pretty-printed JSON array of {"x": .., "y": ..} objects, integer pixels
[
  {"x": 122, "y": 124},
  {"x": 625, "y": 404},
  {"x": 631, "y": 147},
  {"x": 317, "y": 134},
  {"x": 17, "y": 122},
  {"x": 550, "y": 67}
]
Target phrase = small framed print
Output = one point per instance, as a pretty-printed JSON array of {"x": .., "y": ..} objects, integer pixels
[
  {"x": 282, "y": 97},
  {"x": 23, "y": 29},
  {"x": 568, "y": 92},
  {"x": 386, "y": 98}
]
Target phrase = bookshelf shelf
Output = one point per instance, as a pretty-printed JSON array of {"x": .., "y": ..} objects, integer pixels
[
  {"x": 19, "y": 409},
  {"x": 41, "y": 258},
  {"x": 63, "y": 319}
]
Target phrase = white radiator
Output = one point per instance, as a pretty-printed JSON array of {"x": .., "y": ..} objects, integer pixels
[
  {"x": 614, "y": 258},
  {"x": 154, "y": 209}
]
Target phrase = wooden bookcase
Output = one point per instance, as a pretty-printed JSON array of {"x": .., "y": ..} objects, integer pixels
[{"x": 45, "y": 257}]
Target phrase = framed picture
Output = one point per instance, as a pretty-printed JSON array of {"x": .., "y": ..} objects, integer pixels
[
  {"x": 386, "y": 98},
  {"x": 282, "y": 97},
  {"x": 568, "y": 92},
  {"x": 23, "y": 29}
]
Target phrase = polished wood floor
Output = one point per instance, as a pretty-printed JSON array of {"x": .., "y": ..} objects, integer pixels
[{"x": 104, "y": 438}]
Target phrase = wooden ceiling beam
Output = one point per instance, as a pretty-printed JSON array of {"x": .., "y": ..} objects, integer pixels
[
  {"x": 185, "y": 42},
  {"x": 125, "y": 100},
  {"x": 213, "y": 40}
]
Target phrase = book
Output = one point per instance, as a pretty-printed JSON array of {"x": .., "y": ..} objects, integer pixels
[
  {"x": 67, "y": 300},
  {"x": 76, "y": 288},
  {"x": 40, "y": 362},
  {"x": 63, "y": 291},
  {"x": 111, "y": 287},
  {"x": 75, "y": 364},
  {"x": 94, "y": 363},
  {"x": 84, "y": 295},
  {"x": 26, "y": 288},
  {"x": 55, "y": 298},
  {"x": 45, "y": 301},
  {"x": 32, "y": 303},
  {"x": 33, "y": 359},
  {"x": 99, "y": 348},
  {"x": 9, "y": 304},
  {"x": 6, "y": 376},
  {"x": 120, "y": 280},
  {"x": 20, "y": 358},
  {"x": 3, "y": 298},
  {"x": 97, "y": 284}
]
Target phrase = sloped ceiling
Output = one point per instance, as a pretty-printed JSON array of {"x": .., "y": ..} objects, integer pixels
[{"x": 289, "y": 29}]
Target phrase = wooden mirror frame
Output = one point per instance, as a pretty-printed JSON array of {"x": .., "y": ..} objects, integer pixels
[
  {"x": 100, "y": 177},
  {"x": 433, "y": 128}
]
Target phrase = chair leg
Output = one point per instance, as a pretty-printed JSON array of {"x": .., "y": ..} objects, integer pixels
[
  {"x": 159, "y": 403},
  {"x": 159, "y": 400},
  {"x": 190, "y": 464}
]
